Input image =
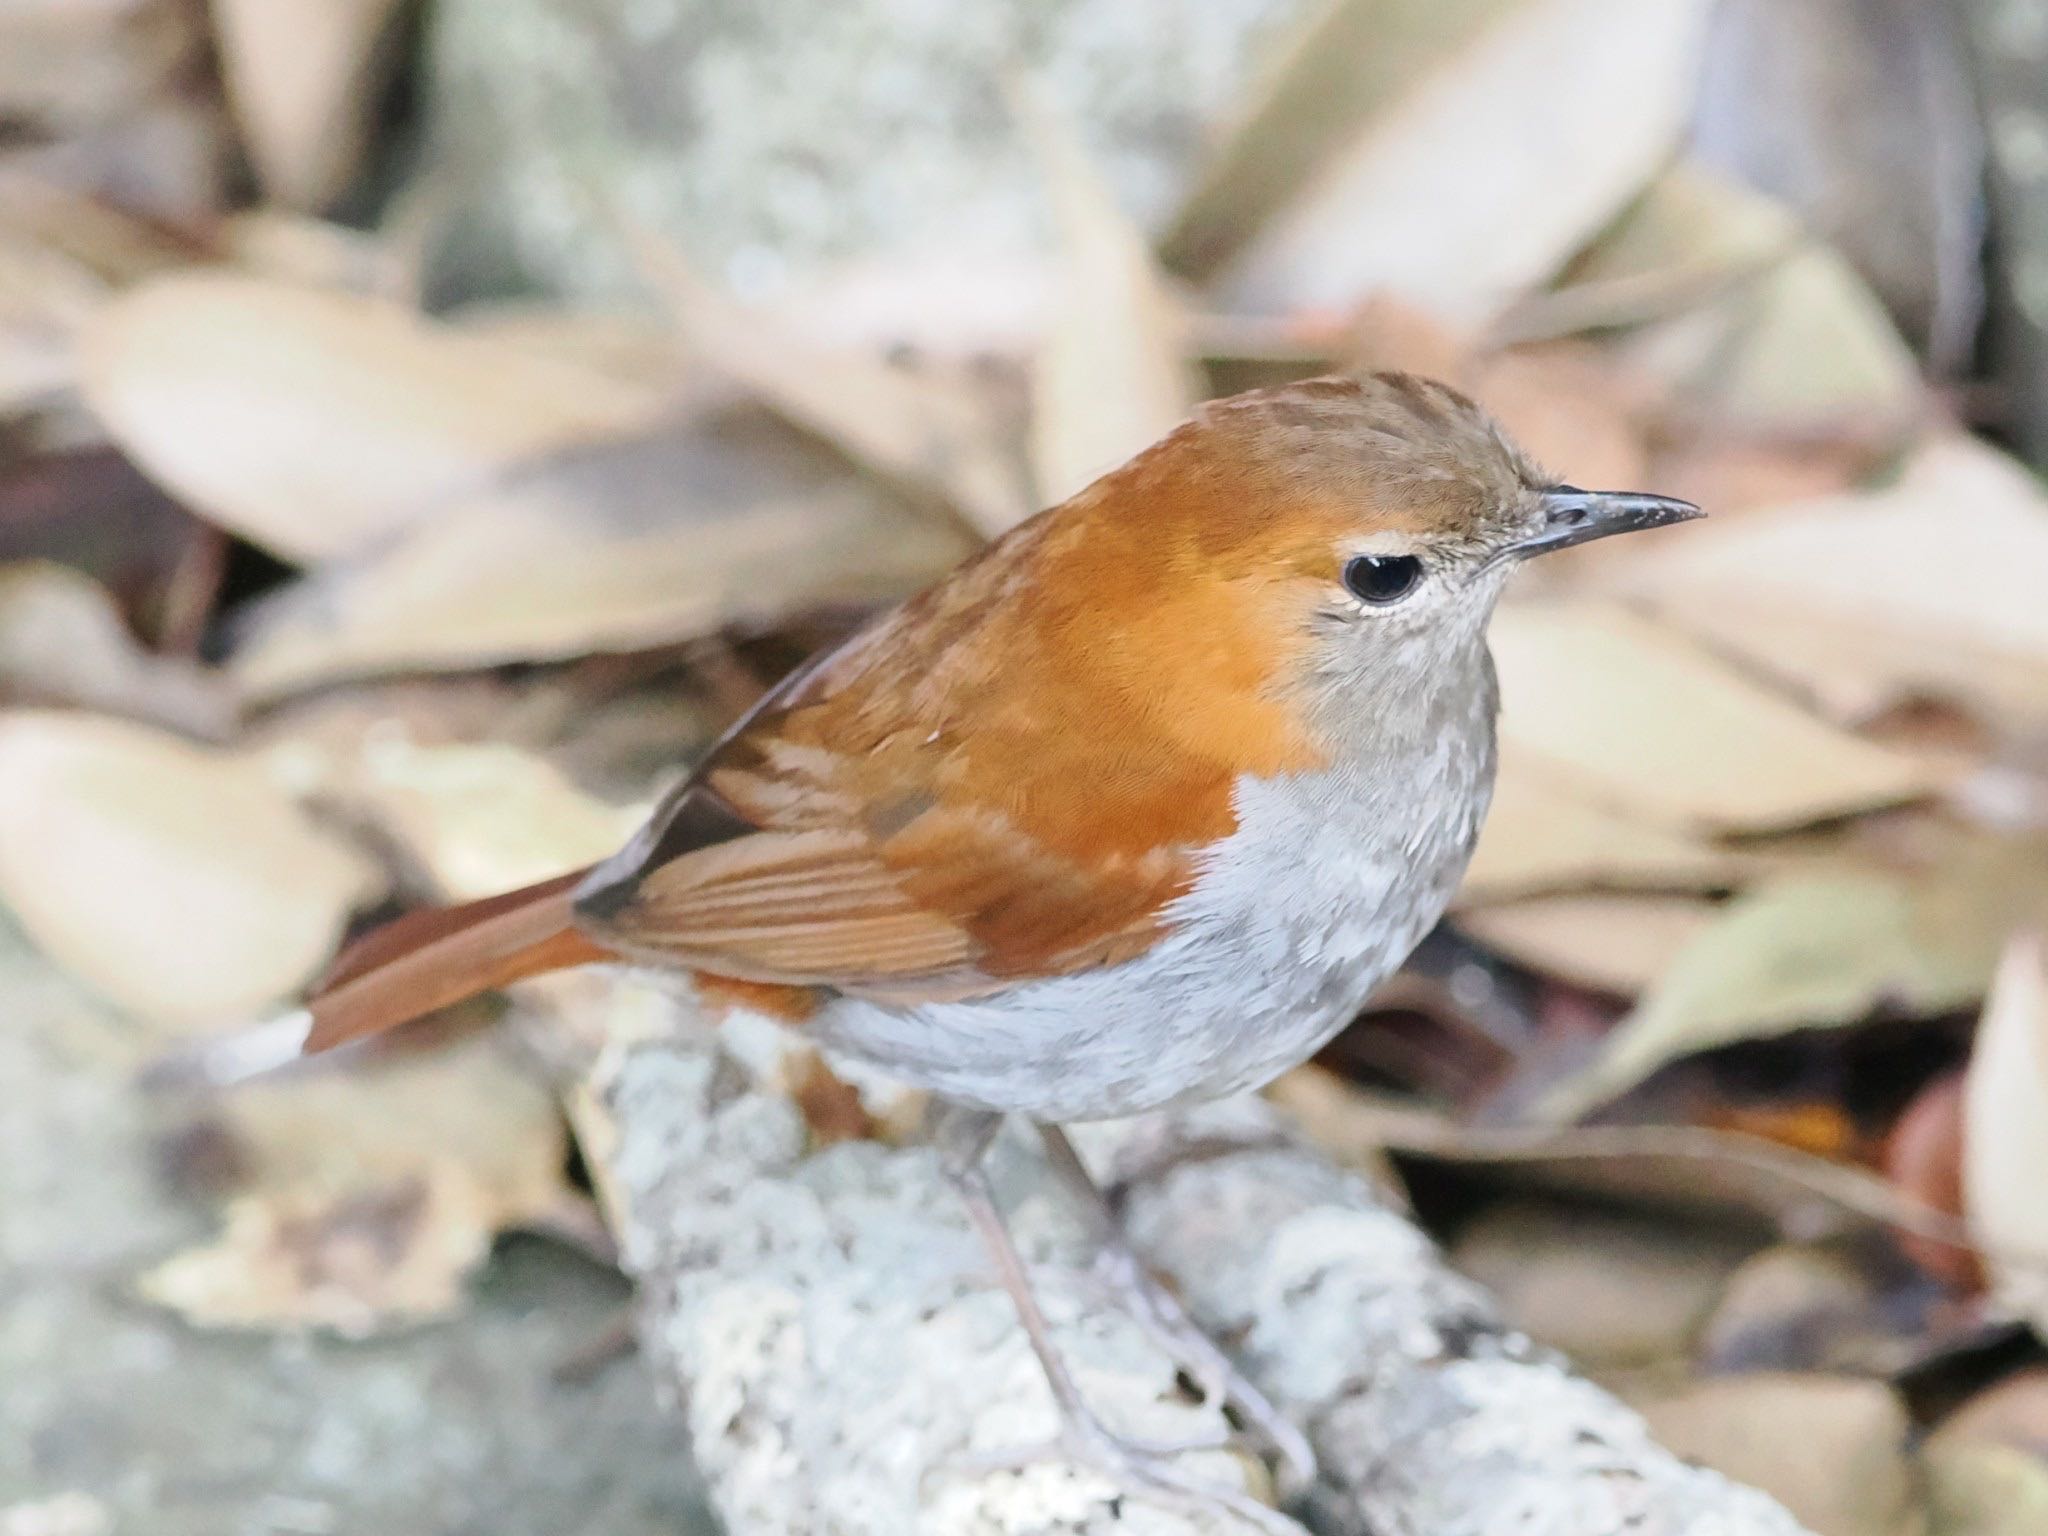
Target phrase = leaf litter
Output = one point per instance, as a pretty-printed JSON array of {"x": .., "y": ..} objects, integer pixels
[{"x": 1707, "y": 775}]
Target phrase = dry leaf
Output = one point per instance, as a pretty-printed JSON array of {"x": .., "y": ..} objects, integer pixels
[
  {"x": 1789, "y": 336},
  {"x": 2005, "y": 1133},
  {"x": 171, "y": 879},
  {"x": 61, "y": 255},
  {"x": 636, "y": 542},
  {"x": 1831, "y": 1449},
  {"x": 74, "y": 63},
  {"x": 1649, "y": 723},
  {"x": 1344, "y": 63},
  {"x": 1985, "y": 1490},
  {"x": 1815, "y": 1307},
  {"x": 63, "y": 641},
  {"x": 369, "y": 1196},
  {"x": 1112, "y": 375},
  {"x": 1845, "y": 596},
  {"x": 1485, "y": 175},
  {"x": 913, "y": 432},
  {"x": 477, "y": 819},
  {"x": 1611, "y": 1290},
  {"x": 315, "y": 423},
  {"x": 1619, "y": 944},
  {"x": 1546, "y": 833},
  {"x": 1697, "y": 1170},
  {"x": 303, "y": 80},
  {"x": 1822, "y": 948}
]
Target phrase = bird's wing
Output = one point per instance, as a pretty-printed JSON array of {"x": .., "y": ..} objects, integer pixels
[{"x": 951, "y": 803}]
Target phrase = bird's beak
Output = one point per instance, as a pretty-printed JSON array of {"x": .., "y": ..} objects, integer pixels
[{"x": 1573, "y": 516}]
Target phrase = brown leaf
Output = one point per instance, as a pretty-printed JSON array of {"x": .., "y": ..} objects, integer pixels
[
  {"x": 1649, "y": 723},
  {"x": 1839, "y": 596},
  {"x": 475, "y": 818},
  {"x": 640, "y": 541},
  {"x": 63, "y": 641},
  {"x": 1611, "y": 1290},
  {"x": 1789, "y": 336},
  {"x": 1546, "y": 832},
  {"x": 303, "y": 80},
  {"x": 1112, "y": 375},
  {"x": 916, "y": 434},
  {"x": 1659, "y": 1168},
  {"x": 1534, "y": 170},
  {"x": 171, "y": 879},
  {"x": 366, "y": 1198},
  {"x": 1832, "y": 1450},
  {"x": 2005, "y": 1132},
  {"x": 316, "y": 423},
  {"x": 1825, "y": 947},
  {"x": 1608, "y": 943},
  {"x": 1985, "y": 1490}
]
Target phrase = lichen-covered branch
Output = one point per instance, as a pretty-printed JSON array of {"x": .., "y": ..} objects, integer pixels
[{"x": 847, "y": 1363}]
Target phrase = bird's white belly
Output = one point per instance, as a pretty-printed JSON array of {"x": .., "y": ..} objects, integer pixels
[{"x": 1319, "y": 894}]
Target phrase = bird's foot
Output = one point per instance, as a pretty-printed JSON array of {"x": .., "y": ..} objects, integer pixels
[
  {"x": 1159, "y": 1312},
  {"x": 1143, "y": 1469}
]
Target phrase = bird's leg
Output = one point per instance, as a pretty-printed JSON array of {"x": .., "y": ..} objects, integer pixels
[
  {"x": 1145, "y": 1468},
  {"x": 1163, "y": 1316}
]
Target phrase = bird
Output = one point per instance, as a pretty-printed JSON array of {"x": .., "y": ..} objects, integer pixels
[{"x": 1134, "y": 808}]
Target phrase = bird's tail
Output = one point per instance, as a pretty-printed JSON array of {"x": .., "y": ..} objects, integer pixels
[{"x": 442, "y": 955}]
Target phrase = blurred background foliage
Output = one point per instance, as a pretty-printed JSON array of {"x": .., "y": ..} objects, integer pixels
[{"x": 422, "y": 426}]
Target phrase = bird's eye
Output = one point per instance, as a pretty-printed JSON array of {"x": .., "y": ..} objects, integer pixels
[{"x": 1382, "y": 579}]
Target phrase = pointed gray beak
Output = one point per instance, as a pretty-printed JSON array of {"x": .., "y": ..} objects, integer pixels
[{"x": 1573, "y": 516}]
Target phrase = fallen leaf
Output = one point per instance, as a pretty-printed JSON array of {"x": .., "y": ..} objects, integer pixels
[
  {"x": 477, "y": 818},
  {"x": 1827, "y": 947},
  {"x": 1985, "y": 1490},
  {"x": 1839, "y": 595},
  {"x": 316, "y": 423},
  {"x": 1831, "y": 1449},
  {"x": 63, "y": 641},
  {"x": 170, "y": 878},
  {"x": 1923, "y": 1156},
  {"x": 1609, "y": 943},
  {"x": 367, "y": 1198},
  {"x": 303, "y": 81},
  {"x": 1610, "y": 1289},
  {"x": 1714, "y": 1174},
  {"x": 1816, "y": 1307},
  {"x": 1647, "y": 722},
  {"x": 2005, "y": 1133},
  {"x": 1546, "y": 834},
  {"x": 1791, "y": 336},
  {"x": 1535, "y": 170},
  {"x": 75, "y": 63},
  {"x": 61, "y": 255},
  {"x": 640, "y": 541},
  {"x": 1112, "y": 375},
  {"x": 1338, "y": 68},
  {"x": 920, "y": 436}
]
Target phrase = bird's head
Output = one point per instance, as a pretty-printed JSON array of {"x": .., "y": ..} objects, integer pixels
[{"x": 1334, "y": 540}]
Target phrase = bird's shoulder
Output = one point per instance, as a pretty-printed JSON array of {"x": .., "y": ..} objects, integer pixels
[{"x": 1000, "y": 780}]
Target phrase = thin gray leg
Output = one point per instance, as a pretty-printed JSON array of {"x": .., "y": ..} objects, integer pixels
[
  {"x": 1147, "y": 1469},
  {"x": 1163, "y": 1316}
]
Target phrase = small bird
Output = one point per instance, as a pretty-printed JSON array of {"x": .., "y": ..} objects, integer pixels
[{"x": 1134, "y": 808}]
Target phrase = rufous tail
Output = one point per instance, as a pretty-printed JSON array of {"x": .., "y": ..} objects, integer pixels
[{"x": 442, "y": 955}]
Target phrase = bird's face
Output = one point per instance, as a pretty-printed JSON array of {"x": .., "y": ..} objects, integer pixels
[{"x": 1375, "y": 522}]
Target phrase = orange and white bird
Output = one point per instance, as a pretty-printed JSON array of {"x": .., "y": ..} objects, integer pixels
[{"x": 1133, "y": 808}]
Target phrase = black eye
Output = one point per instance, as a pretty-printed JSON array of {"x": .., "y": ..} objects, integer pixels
[{"x": 1381, "y": 579}]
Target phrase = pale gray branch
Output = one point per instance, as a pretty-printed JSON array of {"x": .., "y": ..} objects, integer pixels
[{"x": 843, "y": 1354}]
